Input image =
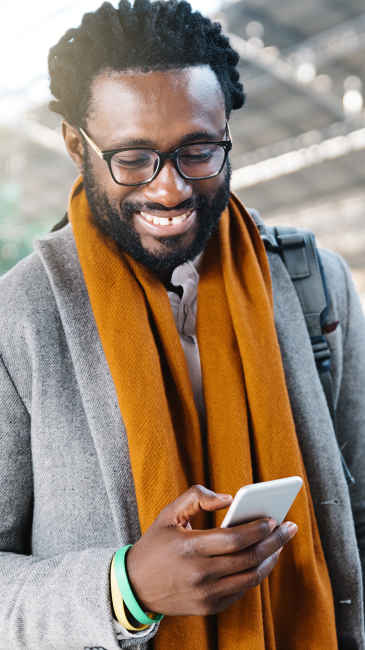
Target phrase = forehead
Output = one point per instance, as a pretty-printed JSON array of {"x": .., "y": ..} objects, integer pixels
[{"x": 158, "y": 104}]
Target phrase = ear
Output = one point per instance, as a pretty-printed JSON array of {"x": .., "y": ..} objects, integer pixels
[{"x": 74, "y": 144}]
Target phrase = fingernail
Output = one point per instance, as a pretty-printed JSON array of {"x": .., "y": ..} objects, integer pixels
[
  {"x": 291, "y": 528},
  {"x": 225, "y": 497},
  {"x": 272, "y": 524}
]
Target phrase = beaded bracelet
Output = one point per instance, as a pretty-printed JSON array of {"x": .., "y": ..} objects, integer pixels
[{"x": 126, "y": 590}]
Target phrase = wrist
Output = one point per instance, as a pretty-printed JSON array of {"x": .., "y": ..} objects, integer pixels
[
  {"x": 128, "y": 595},
  {"x": 120, "y": 611},
  {"x": 136, "y": 573}
]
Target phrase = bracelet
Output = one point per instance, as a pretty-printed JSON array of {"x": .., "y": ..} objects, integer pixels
[
  {"x": 118, "y": 604},
  {"x": 126, "y": 590}
]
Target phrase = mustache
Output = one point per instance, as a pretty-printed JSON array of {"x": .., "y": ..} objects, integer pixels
[{"x": 131, "y": 208}]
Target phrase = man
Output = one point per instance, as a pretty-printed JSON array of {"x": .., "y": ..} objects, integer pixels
[{"x": 143, "y": 379}]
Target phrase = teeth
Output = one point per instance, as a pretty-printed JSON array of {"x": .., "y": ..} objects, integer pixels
[
  {"x": 163, "y": 221},
  {"x": 180, "y": 219}
]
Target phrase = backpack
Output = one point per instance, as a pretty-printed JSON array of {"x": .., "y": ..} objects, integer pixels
[{"x": 298, "y": 250}]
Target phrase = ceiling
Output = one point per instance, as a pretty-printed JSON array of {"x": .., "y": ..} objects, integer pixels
[{"x": 299, "y": 143}]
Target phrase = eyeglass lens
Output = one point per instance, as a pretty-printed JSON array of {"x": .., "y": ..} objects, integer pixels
[{"x": 194, "y": 161}]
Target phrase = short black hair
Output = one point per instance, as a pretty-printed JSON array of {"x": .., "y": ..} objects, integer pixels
[{"x": 147, "y": 36}]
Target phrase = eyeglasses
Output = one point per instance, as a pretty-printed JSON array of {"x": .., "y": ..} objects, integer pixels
[{"x": 140, "y": 165}]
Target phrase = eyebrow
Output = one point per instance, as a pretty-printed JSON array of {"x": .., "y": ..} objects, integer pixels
[{"x": 189, "y": 137}]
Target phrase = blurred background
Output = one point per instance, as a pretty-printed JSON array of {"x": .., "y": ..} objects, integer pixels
[{"x": 299, "y": 143}]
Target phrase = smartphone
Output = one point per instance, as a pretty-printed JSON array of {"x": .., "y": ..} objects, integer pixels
[{"x": 268, "y": 499}]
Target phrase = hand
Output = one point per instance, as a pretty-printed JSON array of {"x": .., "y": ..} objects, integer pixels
[{"x": 177, "y": 571}]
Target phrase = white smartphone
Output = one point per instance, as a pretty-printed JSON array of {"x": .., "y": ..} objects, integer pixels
[{"x": 267, "y": 499}]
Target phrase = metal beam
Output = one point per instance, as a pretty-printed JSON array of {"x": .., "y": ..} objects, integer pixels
[
  {"x": 289, "y": 162},
  {"x": 330, "y": 45},
  {"x": 282, "y": 70}
]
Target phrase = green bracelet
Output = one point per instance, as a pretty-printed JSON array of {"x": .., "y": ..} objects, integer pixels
[{"x": 126, "y": 590}]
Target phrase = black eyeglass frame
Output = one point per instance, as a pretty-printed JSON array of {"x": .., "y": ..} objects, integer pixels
[{"x": 162, "y": 157}]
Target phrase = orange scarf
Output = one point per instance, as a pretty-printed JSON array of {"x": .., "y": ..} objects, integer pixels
[{"x": 248, "y": 412}]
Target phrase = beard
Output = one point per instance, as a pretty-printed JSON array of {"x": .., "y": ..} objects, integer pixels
[{"x": 117, "y": 223}]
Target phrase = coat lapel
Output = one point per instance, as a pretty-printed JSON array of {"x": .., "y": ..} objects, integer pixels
[
  {"x": 59, "y": 257},
  {"x": 319, "y": 446}
]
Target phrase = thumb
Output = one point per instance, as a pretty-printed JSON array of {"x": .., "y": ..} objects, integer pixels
[{"x": 188, "y": 504}]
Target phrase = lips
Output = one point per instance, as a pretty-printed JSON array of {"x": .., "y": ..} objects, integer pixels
[{"x": 173, "y": 224}]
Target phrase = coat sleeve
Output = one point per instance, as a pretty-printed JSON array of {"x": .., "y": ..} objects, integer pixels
[
  {"x": 55, "y": 602},
  {"x": 350, "y": 412}
]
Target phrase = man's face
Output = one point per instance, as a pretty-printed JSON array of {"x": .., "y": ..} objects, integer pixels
[{"x": 159, "y": 110}]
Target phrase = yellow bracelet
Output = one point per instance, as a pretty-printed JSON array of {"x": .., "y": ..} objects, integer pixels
[{"x": 118, "y": 604}]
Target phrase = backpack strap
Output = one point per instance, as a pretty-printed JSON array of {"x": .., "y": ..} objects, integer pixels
[{"x": 299, "y": 252}]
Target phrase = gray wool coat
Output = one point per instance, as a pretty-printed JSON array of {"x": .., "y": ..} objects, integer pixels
[{"x": 67, "y": 499}]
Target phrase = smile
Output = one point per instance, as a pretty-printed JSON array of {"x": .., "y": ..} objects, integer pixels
[
  {"x": 163, "y": 221},
  {"x": 162, "y": 226}
]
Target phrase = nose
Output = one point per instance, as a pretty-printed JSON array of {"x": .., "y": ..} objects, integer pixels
[{"x": 168, "y": 188}]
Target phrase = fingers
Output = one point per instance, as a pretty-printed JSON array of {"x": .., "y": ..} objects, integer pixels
[
  {"x": 217, "y": 595},
  {"x": 231, "y": 588},
  {"x": 223, "y": 541},
  {"x": 254, "y": 556},
  {"x": 197, "y": 498}
]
